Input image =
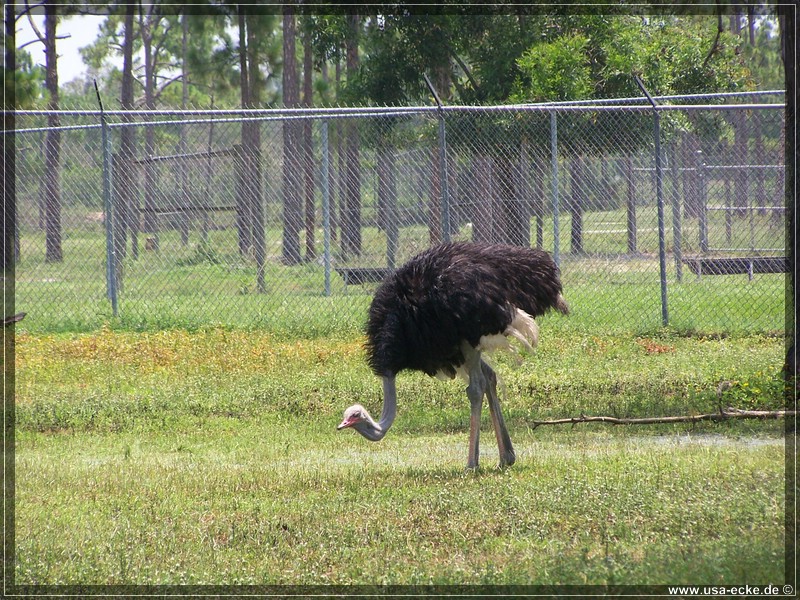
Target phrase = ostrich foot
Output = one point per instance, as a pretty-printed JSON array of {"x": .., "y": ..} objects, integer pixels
[{"x": 507, "y": 459}]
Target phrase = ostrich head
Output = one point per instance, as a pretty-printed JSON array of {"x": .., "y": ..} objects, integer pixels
[{"x": 359, "y": 418}]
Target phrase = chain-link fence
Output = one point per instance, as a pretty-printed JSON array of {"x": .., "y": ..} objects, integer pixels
[{"x": 276, "y": 218}]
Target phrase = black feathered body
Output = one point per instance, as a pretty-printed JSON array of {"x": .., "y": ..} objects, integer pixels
[{"x": 454, "y": 293}]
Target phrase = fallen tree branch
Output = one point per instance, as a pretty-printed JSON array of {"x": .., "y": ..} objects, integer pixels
[
  {"x": 728, "y": 413},
  {"x": 15, "y": 319}
]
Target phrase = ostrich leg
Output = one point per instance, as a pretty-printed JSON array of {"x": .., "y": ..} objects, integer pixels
[
  {"x": 504, "y": 446},
  {"x": 475, "y": 391}
]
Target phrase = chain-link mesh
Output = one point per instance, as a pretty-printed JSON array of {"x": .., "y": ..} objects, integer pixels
[{"x": 264, "y": 218}]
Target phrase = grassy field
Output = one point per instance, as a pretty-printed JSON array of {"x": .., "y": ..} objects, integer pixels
[
  {"x": 191, "y": 439},
  {"x": 211, "y": 457},
  {"x": 194, "y": 285}
]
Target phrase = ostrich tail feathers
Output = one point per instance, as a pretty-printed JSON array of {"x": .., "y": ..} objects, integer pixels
[
  {"x": 524, "y": 329},
  {"x": 561, "y": 305}
]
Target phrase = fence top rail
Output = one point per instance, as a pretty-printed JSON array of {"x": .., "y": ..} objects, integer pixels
[
  {"x": 234, "y": 112},
  {"x": 549, "y": 109},
  {"x": 239, "y": 115},
  {"x": 668, "y": 98},
  {"x": 619, "y": 104}
]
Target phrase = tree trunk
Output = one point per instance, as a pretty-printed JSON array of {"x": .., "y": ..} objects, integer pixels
[
  {"x": 483, "y": 199},
  {"x": 42, "y": 217},
  {"x": 333, "y": 129},
  {"x": 736, "y": 21},
  {"x": 532, "y": 180},
  {"x": 292, "y": 200},
  {"x": 10, "y": 233},
  {"x": 759, "y": 159},
  {"x": 351, "y": 216},
  {"x": 186, "y": 200},
  {"x": 308, "y": 149},
  {"x": 787, "y": 19},
  {"x": 253, "y": 201},
  {"x": 577, "y": 203},
  {"x": 539, "y": 195},
  {"x": 740, "y": 176},
  {"x": 339, "y": 195},
  {"x": 52, "y": 169},
  {"x": 441, "y": 83},
  {"x": 120, "y": 184},
  {"x": 147, "y": 23},
  {"x": 512, "y": 222},
  {"x": 691, "y": 158},
  {"x": 243, "y": 217},
  {"x": 240, "y": 190},
  {"x": 781, "y": 181},
  {"x": 523, "y": 199},
  {"x": 126, "y": 203},
  {"x": 387, "y": 197}
]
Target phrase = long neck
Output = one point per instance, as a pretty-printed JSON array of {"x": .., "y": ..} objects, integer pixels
[{"x": 375, "y": 431}]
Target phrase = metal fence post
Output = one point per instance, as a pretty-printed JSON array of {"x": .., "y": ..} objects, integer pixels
[
  {"x": 554, "y": 186},
  {"x": 662, "y": 245},
  {"x": 662, "y": 234},
  {"x": 111, "y": 261},
  {"x": 326, "y": 207},
  {"x": 492, "y": 174}
]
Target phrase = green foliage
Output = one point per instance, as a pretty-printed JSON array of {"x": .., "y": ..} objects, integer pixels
[
  {"x": 764, "y": 58},
  {"x": 211, "y": 56},
  {"x": 204, "y": 253},
  {"x": 386, "y": 74},
  {"x": 599, "y": 57},
  {"x": 328, "y": 34},
  {"x": 26, "y": 83},
  {"x": 756, "y": 391},
  {"x": 491, "y": 44},
  {"x": 490, "y": 57},
  {"x": 212, "y": 61},
  {"x": 557, "y": 70},
  {"x": 395, "y": 56}
]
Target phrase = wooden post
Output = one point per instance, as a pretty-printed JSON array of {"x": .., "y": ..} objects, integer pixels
[
  {"x": 537, "y": 199},
  {"x": 631, "y": 205},
  {"x": 483, "y": 205},
  {"x": 576, "y": 204},
  {"x": 387, "y": 197},
  {"x": 242, "y": 212}
]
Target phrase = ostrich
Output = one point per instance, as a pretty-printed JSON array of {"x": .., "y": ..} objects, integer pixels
[{"x": 441, "y": 310}]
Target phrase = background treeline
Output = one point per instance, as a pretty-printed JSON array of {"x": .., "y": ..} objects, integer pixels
[{"x": 229, "y": 56}]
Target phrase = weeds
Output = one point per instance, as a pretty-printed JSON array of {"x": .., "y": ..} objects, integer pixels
[
  {"x": 204, "y": 253},
  {"x": 210, "y": 457}
]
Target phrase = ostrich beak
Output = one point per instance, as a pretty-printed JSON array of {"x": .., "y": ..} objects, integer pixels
[{"x": 346, "y": 423}]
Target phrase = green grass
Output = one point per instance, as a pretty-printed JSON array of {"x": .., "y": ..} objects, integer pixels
[
  {"x": 210, "y": 457},
  {"x": 199, "y": 285},
  {"x": 288, "y": 502}
]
